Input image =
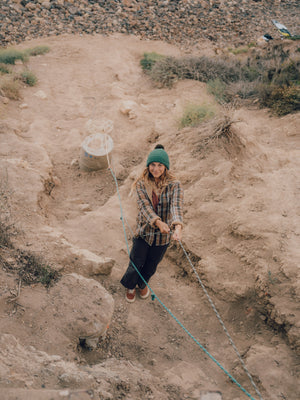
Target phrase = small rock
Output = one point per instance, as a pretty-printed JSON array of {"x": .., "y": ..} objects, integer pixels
[
  {"x": 127, "y": 108},
  {"x": 85, "y": 207},
  {"x": 41, "y": 94},
  {"x": 23, "y": 106},
  {"x": 64, "y": 393}
]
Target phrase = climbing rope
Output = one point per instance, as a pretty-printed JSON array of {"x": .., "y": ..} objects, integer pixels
[
  {"x": 221, "y": 322},
  {"x": 154, "y": 296}
]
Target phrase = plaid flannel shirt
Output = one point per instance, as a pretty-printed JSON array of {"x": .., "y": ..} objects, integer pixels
[{"x": 169, "y": 210}]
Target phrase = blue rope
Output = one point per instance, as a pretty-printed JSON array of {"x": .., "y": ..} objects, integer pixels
[
  {"x": 153, "y": 296},
  {"x": 222, "y": 323}
]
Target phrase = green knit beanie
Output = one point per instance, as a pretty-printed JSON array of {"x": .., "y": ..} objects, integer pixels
[{"x": 159, "y": 155}]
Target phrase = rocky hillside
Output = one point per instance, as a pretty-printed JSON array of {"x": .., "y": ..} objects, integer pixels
[
  {"x": 78, "y": 338},
  {"x": 182, "y": 21}
]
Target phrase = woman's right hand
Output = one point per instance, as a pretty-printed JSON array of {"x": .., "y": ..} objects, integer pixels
[{"x": 162, "y": 226}]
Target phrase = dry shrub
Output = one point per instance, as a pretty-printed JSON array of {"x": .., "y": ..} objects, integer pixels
[
  {"x": 7, "y": 226},
  {"x": 241, "y": 90},
  {"x": 271, "y": 75},
  {"x": 10, "y": 88},
  {"x": 29, "y": 267},
  {"x": 168, "y": 70},
  {"x": 204, "y": 69},
  {"x": 33, "y": 269},
  {"x": 281, "y": 100},
  {"x": 218, "y": 133}
]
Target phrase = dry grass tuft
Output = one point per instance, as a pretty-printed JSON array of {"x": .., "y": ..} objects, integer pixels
[
  {"x": 8, "y": 229},
  {"x": 10, "y": 88},
  {"x": 218, "y": 133}
]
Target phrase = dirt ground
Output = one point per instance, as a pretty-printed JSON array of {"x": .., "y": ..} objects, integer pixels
[{"x": 241, "y": 225}]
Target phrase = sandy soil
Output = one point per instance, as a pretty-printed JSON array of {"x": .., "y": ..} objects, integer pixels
[{"x": 241, "y": 221}]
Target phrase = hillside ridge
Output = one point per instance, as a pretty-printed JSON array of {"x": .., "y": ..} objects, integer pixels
[{"x": 185, "y": 21}]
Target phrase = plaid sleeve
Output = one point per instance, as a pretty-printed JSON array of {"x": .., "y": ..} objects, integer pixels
[
  {"x": 145, "y": 205},
  {"x": 177, "y": 204}
]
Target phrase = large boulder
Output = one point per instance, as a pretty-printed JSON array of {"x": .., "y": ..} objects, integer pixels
[
  {"x": 86, "y": 306},
  {"x": 75, "y": 310}
]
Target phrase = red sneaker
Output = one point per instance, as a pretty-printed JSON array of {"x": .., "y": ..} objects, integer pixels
[
  {"x": 144, "y": 293},
  {"x": 130, "y": 295}
]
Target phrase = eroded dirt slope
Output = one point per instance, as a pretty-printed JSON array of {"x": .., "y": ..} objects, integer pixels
[{"x": 241, "y": 229}]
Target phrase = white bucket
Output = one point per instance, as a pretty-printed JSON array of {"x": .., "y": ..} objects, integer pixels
[
  {"x": 95, "y": 152},
  {"x": 99, "y": 126}
]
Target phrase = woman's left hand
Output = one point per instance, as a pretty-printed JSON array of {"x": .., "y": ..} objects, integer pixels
[{"x": 177, "y": 235}]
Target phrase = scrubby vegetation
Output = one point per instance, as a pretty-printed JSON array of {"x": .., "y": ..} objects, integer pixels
[
  {"x": 29, "y": 267},
  {"x": 7, "y": 227},
  {"x": 4, "y": 69},
  {"x": 28, "y": 77},
  {"x": 194, "y": 114},
  {"x": 37, "y": 51},
  {"x": 10, "y": 88},
  {"x": 149, "y": 59},
  {"x": 10, "y": 56},
  {"x": 32, "y": 269},
  {"x": 270, "y": 77},
  {"x": 10, "y": 81}
]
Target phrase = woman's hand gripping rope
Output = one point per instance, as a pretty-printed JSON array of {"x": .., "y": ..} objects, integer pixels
[
  {"x": 177, "y": 234},
  {"x": 164, "y": 228}
]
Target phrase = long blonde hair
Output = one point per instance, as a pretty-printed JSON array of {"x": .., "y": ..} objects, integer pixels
[{"x": 148, "y": 178}]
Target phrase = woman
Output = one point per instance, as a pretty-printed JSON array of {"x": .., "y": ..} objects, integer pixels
[{"x": 160, "y": 203}]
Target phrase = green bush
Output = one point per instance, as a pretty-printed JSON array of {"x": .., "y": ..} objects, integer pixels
[
  {"x": 28, "y": 77},
  {"x": 4, "y": 69},
  {"x": 38, "y": 50},
  {"x": 217, "y": 88},
  {"x": 9, "y": 56},
  {"x": 194, "y": 114},
  {"x": 149, "y": 59}
]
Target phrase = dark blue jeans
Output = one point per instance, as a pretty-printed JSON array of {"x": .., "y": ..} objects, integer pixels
[{"x": 146, "y": 259}]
